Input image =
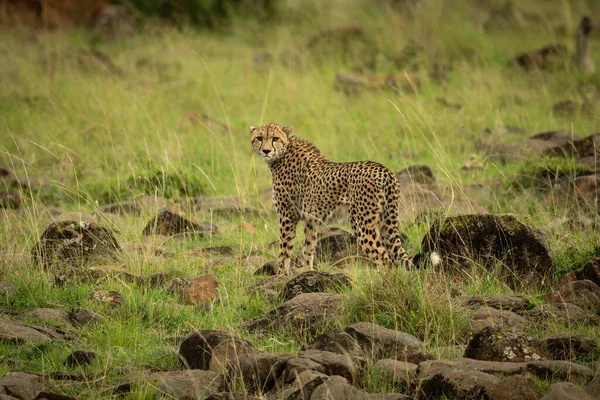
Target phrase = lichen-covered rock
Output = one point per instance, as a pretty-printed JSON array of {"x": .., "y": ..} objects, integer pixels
[
  {"x": 487, "y": 239},
  {"x": 504, "y": 344},
  {"x": 169, "y": 223},
  {"x": 314, "y": 281},
  {"x": 74, "y": 243}
]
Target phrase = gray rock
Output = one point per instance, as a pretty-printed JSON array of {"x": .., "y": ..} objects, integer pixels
[
  {"x": 593, "y": 389},
  {"x": 524, "y": 251},
  {"x": 169, "y": 223},
  {"x": 500, "y": 302},
  {"x": 337, "y": 388},
  {"x": 568, "y": 347},
  {"x": 584, "y": 294},
  {"x": 189, "y": 384},
  {"x": 22, "y": 385},
  {"x": 18, "y": 332},
  {"x": 333, "y": 363},
  {"x": 566, "y": 391},
  {"x": 560, "y": 370},
  {"x": 50, "y": 315},
  {"x": 382, "y": 342},
  {"x": 566, "y": 312},
  {"x": 457, "y": 384},
  {"x": 259, "y": 372},
  {"x": 515, "y": 387},
  {"x": 7, "y": 290},
  {"x": 397, "y": 371},
  {"x": 314, "y": 281},
  {"x": 422, "y": 174},
  {"x": 490, "y": 317},
  {"x": 81, "y": 317},
  {"x": 297, "y": 365},
  {"x": 214, "y": 350},
  {"x": 305, "y": 313},
  {"x": 80, "y": 358},
  {"x": 504, "y": 344},
  {"x": 497, "y": 368}
]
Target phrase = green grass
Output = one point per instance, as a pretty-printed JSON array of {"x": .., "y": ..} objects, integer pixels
[{"x": 97, "y": 137}]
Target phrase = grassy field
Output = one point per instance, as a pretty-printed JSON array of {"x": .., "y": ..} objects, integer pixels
[{"x": 96, "y": 135}]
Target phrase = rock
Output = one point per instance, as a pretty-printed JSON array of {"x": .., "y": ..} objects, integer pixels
[
  {"x": 122, "y": 208},
  {"x": 168, "y": 223},
  {"x": 335, "y": 342},
  {"x": 413, "y": 356},
  {"x": 177, "y": 285},
  {"x": 381, "y": 342},
  {"x": 457, "y": 384},
  {"x": 50, "y": 315},
  {"x": 590, "y": 271},
  {"x": 569, "y": 347},
  {"x": 497, "y": 368},
  {"x": 524, "y": 251},
  {"x": 108, "y": 297},
  {"x": 269, "y": 288},
  {"x": 422, "y": 174},
  {"x": 305, "y": 313},
  {"x": 584, "y": 294},
  {"x": 300, "y": 386},
  {"x": 579, "y": 193},
  {"x": 202, "y": 291},
  {"x": 295, "y": 366},
  {"x": 259, "y": 372},
  {"x": 213, "y": 350},
  {"x": 593, "y": 389},
  {"x": 52, "y": 396},
  {"x": 22, "y": 385},
  {"x": 18, "y": 332},
  {"x": 188, "y": 384},
  {"x": 568, "y": 313},
  {"x": 270, "y": 268},
  {"x": 514, "y": 388},
  {"x": 337, "y": 388},
  {"x": 560, "y": 370},
  {"x": 220, "y": 250},
  {"x": 354, "y": 82},
  {"x": 577, "y": 147},
  {"x": 565, "y": 391},
  {"x": 7, "y": 291},
  {"x": 81, "y": 317},
  {"x": 398, "y": 372},
  {"x": 336, "y": 245},
  {"x": 10, "y": 199},
  {"x": 334, "y": 363},
  {"x": 74, "y": 243},
  {"x": 543, "y": 58},
  {"x": 536, "y": 145},
  {"x": 80, "y": 358},
  {"x": 231, "y": 396},
  {"x": 500, "y": 302},
  {"x": 491, "y": 317},
  {"x": 314, "y": 281},
  {"x": 504, "y": 344}
]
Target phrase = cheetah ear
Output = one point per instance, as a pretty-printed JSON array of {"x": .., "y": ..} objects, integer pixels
[
  {"x": 288, "y": 129},
  {"x": 252, "y": 129}
]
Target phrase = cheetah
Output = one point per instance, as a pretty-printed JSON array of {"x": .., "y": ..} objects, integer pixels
[{"x": 308, "y": 187}]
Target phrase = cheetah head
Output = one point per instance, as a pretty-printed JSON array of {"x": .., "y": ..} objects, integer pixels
[{"x": 270, "y": 141}]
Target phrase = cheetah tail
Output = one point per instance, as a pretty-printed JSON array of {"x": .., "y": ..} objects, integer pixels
[{"x": 424, "y": 260}]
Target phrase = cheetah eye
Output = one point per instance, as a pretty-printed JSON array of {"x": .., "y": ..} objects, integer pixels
[
  {"x": 259, "y": 138},
  {"x": 275, "y": 139}
]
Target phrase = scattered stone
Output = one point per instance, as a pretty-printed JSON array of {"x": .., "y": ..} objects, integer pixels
[
  {"x": 422, "y": 174},
  {"x": 566, "y": 391},
  {"x": 515, "y": 387},
  {"x": 7, "y": 291},
  {"x": 497, "y": 368},
  {"x": 108, "y": 297},
  {"x": 504, "y": 344},
  {"x": 569, "y": 347},
  {"x": 398, "y": 372},
  {"x": 10, "y": 199},
  {"x": 74, "y": 243},
  {"x": 536, "y": 145},
  {"x": 269, "y": 288},
  {"x": 543, "y": 58},
  {"x": 80, "y": 358},
  {"x": 336, "y": 245},
  {"x": 169, "y": 223},
  {"x": 300, "y": 385},
  {"x": 314, "y": 281},
  {"x": 335, "y": 342},
  {"x": 22, "y": 385},
  {"x": 569, "y": 313},
  {"x": 187, "y": 384},
  {"x": 337, "y": 388},
  {"x": 491, "y": 317},
  {"x": 457, "y": 384},
  {"x": 560, "y": 370},
  {"x": 295, "y": 366},
  {"x": 50, "y": 315},
  {"x": 213, "y": 350},
  {"x": 380, "y": 342},
  {"x": 577, "y": 147},
  {"x": 81, "y": 317},
  {"x": 334, "y": 363},
  {"x": 122, "y": 208},
  {"x": 270, "y": 268},
  {"x": 579, "y": 193},
  {"x": 524, "y": 251},
  {"x": 259, "y": 372},
  {"x": 13, "y": 331},
  {"x": 202, "y": 291},
  {"x": 584, "y": 294},
  {"x": 231, "y": 396},
  {"x": 305, "y": 313},
  {"x": 590, "y": 271},
  {"x": 500, "y": 302}
]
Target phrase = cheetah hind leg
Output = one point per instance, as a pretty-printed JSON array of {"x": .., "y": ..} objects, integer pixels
[{"x": 369, "y": 238}]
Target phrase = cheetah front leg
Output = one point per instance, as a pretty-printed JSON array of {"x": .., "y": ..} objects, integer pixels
[
  {"x": 287, "y": 226},
  {"x": 311, "y": 233}
]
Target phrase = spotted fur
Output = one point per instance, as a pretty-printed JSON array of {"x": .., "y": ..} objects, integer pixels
[{"x": 308, "y": 187}]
